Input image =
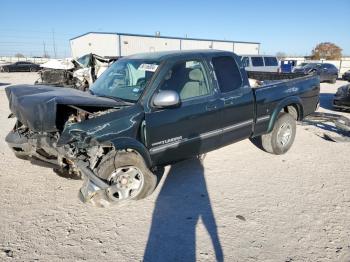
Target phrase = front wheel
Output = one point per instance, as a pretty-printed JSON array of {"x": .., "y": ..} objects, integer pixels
[
  {"x": 128, "y": 176},
  {"x": 281, "y": 138}
]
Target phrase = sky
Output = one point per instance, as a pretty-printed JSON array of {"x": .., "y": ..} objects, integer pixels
[{"x": 292, "y": 27}]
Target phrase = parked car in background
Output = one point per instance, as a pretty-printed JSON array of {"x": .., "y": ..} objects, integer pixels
[
  {"x": 326, "y": 71},
  {"x": 22, "y": 66},
  {"x": 341, "y": 99},
  {"x": 261, "y": 63},
  {"x": 346, "y": 76}
]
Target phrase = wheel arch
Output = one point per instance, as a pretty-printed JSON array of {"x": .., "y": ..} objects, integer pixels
[
  {"x": 127, "y": 143},
  {"x": 285, "y": 106}
]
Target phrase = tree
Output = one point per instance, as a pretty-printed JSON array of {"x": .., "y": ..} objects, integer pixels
[
  {"x": 326, "y": 50},
  {"x": 19, "y": 55},
  {"x": 281, "y": 55}
]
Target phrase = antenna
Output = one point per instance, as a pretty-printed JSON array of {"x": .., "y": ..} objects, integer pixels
[
  {"x": 54, "y": 44},
  {"x": 45, "y": 54}
]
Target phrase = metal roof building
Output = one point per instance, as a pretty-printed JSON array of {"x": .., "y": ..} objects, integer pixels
[{"x": 121, "y": 44}]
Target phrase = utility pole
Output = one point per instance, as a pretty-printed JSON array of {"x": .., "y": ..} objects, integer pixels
[
  {"x": 53, "y": 41},
  {"x": 45, "y": 54}
]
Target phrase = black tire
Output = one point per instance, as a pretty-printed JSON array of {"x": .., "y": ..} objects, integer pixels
[
  {"x": 114, "y": 160},
  {"x": 32, "y": 69},
  {"x": 274, "y": 142}
]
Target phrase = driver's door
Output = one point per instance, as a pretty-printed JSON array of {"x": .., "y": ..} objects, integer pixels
[
  {"x": 322, "y": 72},
  {"x": 193, "y": 127}
]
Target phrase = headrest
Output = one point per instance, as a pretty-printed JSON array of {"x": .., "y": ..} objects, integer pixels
[{"x": 196, "y": 75}]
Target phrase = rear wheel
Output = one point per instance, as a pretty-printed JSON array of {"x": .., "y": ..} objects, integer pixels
[
  {"x": 128, "y": 176},
  {"x": 281, "y": 138}
]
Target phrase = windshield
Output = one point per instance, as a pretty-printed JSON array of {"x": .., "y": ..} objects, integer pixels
[
  {"x": 302, "y": 64},
  {"x": 84, "y": 60},
  {"x": 309, "y": 65},
  {"x": 312, "y": 65},
  {"x": 125, "y": 79}
]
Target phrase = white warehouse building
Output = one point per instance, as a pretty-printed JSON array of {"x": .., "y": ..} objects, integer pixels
[{"x": 120, "y": 44}]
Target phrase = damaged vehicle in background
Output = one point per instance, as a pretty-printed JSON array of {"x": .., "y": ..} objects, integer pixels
[
  {"x": 326, "y": 71},
  {"x": 150, "y": 110},
  {"x": 341, "y": 98},
  {"x": 76, "y": 73},
  {"x": 346, "y": 76}
]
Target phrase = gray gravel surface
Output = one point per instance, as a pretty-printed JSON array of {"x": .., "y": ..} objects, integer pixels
[{"x": 241, "y": 204}]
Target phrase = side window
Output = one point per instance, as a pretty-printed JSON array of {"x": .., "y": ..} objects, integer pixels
[
  {"x": 245, "y": 61},
  {"x": 257, "y": 61},
  {"x": 270, "y": 61},
  {"x": 330, "y": 66},
  {"x": 188, "y": 79},
  {"x": 227, "y": 73}
]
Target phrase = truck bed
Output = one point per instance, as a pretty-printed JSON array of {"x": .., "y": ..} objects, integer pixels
[
  {"x": 271, "y": 96},
  {"x": 263, "y": 76}
]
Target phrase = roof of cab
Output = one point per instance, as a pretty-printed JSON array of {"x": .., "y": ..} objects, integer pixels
[{"x": 175, "y": 54}]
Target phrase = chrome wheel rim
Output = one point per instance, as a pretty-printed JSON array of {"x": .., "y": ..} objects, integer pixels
[
  {"x": 284, "y": 134},
  {"x": 126, "y": 183}
]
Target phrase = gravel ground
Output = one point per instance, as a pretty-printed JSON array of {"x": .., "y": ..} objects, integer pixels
[{"x": 241, "y": 204}]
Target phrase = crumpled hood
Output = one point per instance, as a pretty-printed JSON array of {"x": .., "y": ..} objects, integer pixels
[
  {"x": 36, "y": 106},
  {"x": 123, "y": 123}
]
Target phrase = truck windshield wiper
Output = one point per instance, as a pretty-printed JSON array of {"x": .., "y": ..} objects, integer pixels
[{"x": 115, "y": 99}]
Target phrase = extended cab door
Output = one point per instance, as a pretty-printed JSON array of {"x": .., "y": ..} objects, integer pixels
[
  {"x": 237, "y": 114},
  {"x": 193, "y": 127}
]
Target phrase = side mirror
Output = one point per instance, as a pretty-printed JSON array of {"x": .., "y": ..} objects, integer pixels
[{"x": 166, "y": 98}]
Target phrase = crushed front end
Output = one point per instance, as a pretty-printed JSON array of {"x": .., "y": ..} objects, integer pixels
[
  {"x": 341, "y": 99},
  {"x": 56, "y": 134}
]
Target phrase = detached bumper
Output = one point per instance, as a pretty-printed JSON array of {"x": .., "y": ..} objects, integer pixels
[{"x": 93, "y": 189}]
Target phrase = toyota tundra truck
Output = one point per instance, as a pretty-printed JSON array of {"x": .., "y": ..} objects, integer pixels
[{"x": 150, "y": 110}]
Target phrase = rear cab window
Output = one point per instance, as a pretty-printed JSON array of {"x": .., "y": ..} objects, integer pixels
[
  {"x": 227, "y": 73},
  {"x": 257, "y": 61}
]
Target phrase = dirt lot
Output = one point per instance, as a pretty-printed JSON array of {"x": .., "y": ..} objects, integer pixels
[{"x": 242, "y": 204}]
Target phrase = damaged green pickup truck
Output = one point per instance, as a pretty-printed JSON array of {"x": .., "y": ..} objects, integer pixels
[{"x": 150, "y": 110}]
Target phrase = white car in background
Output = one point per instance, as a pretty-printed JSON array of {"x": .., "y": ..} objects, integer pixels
[{"x": 261, "y": 63}]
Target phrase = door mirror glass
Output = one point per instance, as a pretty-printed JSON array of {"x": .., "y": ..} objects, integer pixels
[{"x": 166, "y": 98}]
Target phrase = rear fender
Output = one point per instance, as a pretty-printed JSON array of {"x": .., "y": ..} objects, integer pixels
[{"x": 294, "y": 100}]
